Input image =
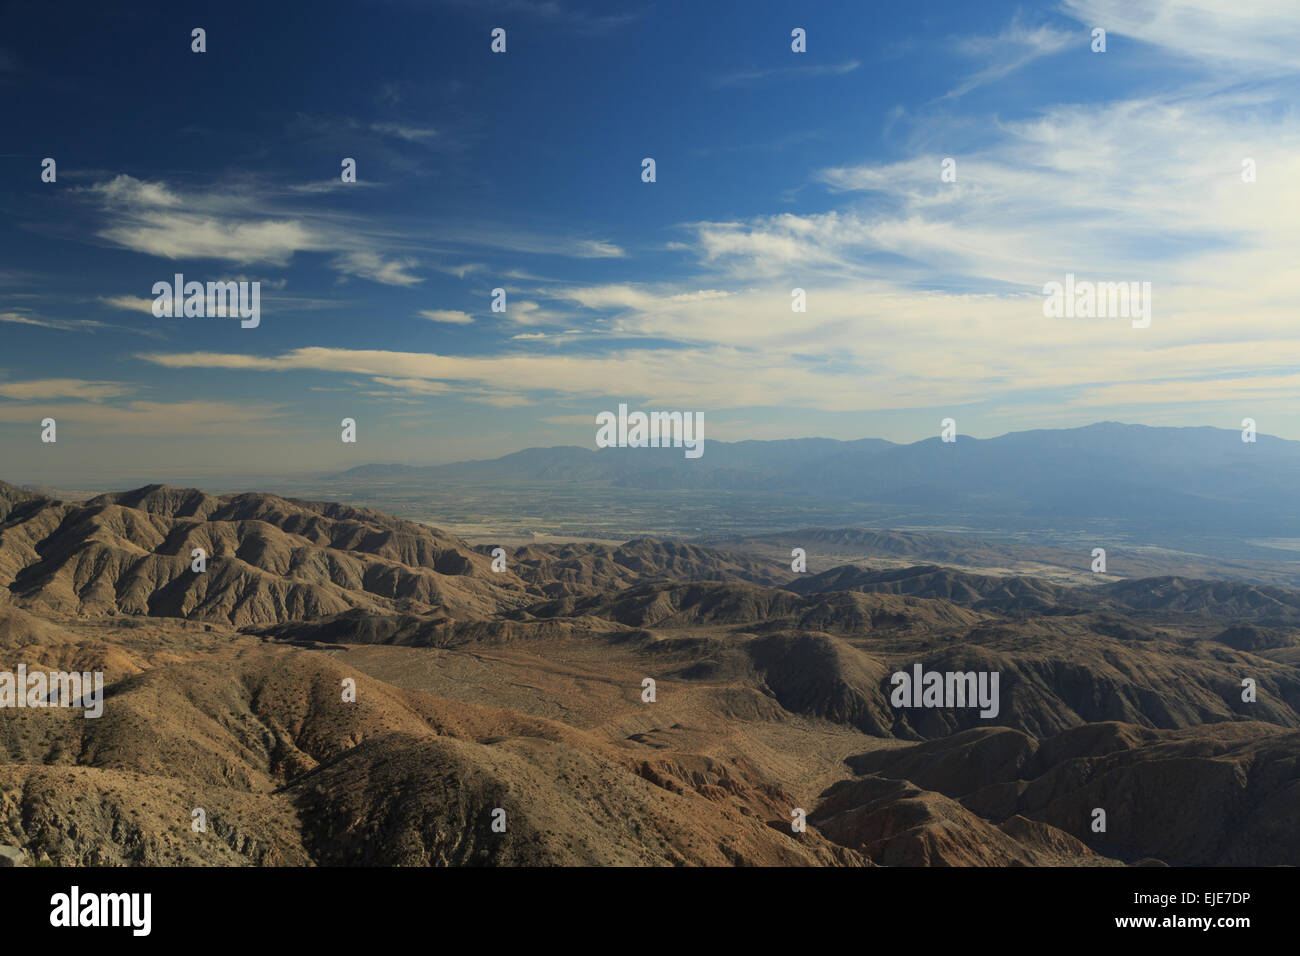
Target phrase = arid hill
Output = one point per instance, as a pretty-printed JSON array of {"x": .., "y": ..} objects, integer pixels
[
  {"x": 268, "y": 560},
  {"x": 340, "y": 687}
]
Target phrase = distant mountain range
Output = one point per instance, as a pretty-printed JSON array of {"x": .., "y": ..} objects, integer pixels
[{"x": 1173, "y": 481}]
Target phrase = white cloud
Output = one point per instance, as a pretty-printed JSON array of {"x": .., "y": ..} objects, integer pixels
[
  {"x": 528, "y": 312},
  {"x": 127, "y": 190},
  {"x": 153, "y": 219},
  {"x": 451, "y": 316},
  {"x": 1258, "y": 37},
  {"x": 237, "y": 226},
  {"x": 369, "y": 265},
  {"x": 60, "y": 325},
  {"x": 598, "y": 249},
  {"x": 625, "y": 296},
  {"x": 47, "y": 388},
  {"x": 415, "y": 385},
  {"x": 251, "y": 225},
  {"x": 129, "y": 303}
]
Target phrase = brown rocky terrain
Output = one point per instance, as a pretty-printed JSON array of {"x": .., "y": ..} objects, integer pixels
[{"x": 479, "y": 691}]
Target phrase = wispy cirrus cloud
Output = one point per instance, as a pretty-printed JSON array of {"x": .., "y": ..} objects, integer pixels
[
  {"x": 1009, "y": 51},
  {"x": 247, "y": 225},
  {"x": 48, "y": 388},
  {"x": 136, "y": 303},
  {"x": 129, "y": 303},
  {"x": 152, "y": 218},
  {"x": 61, "y": 325},
  {"x": 240, "y": 225},
  {"x": 339, "y": 130},
  {"x": 406, "y": 131},
  {"x": 68, "y": 325},
  {"x": 578, "y": 19},
  {"x": 1255, "y": 37},
  {"x": 757, "y": 77},
  {"x": 505, "y": 238},
  {"x": 371, "y": 265}
]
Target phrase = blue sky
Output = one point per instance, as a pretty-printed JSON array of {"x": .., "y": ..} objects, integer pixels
[{"x": 522, "y": 170}]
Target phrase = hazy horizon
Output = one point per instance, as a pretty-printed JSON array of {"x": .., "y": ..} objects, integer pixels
[{"x": 246, "y": 478}]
